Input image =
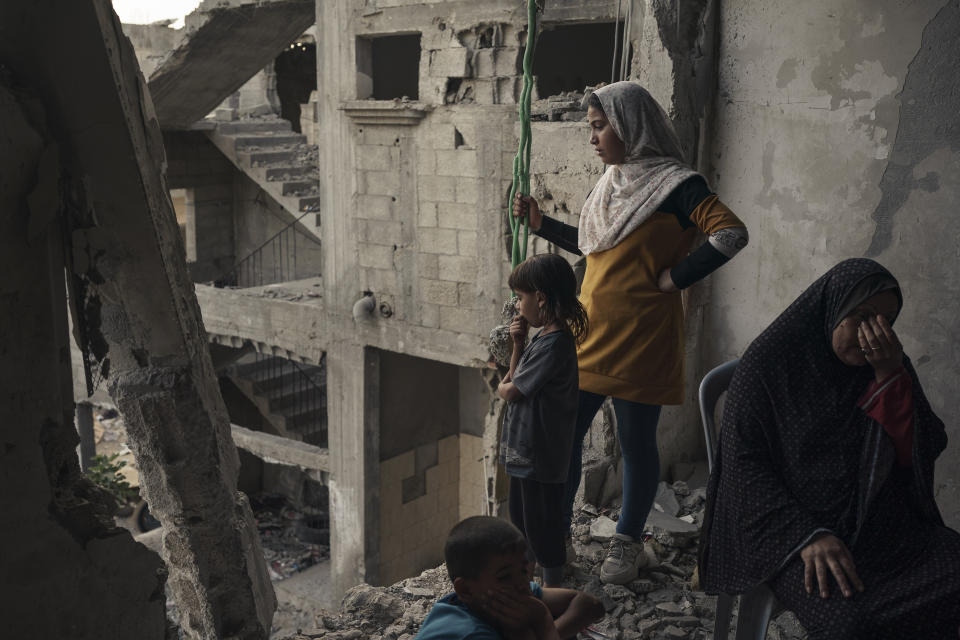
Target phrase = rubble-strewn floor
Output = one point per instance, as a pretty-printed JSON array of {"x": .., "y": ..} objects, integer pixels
[{"x": 660, "y": 604}]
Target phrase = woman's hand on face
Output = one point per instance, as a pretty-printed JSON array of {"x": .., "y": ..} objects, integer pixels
[
  {"x": 527, "y": 206},
  {"x": 519, "y": 329},
  {"x": 665, "y": 282},
  {"x": 881, "y": 347},
  {"x": 829, "y": 554}
]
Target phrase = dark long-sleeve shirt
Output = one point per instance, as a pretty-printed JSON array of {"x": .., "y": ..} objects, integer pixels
[{"x": 682, "y": 202}]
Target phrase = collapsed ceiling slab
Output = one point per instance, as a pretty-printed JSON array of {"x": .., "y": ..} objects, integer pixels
[{"x": 226, "y": 46}]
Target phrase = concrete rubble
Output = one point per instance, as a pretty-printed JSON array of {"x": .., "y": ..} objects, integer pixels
[{"x": 663, "y": 603}]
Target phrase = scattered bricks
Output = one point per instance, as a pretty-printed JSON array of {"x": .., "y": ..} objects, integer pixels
[
  {"x": 674, "y": 633},
  {"x": 670, "y": 609},
  {"x": 642, "y": 586},
  {"x": 468, "y": 191},
  {"x": 687, "y": 621},
  {"x": 427, "y": 215},
  {"x": 628, "y": 621},
  {"x": 467, "y": 243},
  {"x": 662, "y": 595},
  {"x": 617, "y": 592},
  {"x": 442, "y": 241},
  {"x": 376, "y": 256},
  {"x": 384, "y": 183},
  {"x": 439, "y": 292},
  {"x": 449, "y": 63},
  {"x": 376, "y": 158},
  {"x": 602, "y": 529},
  {"x": 452, "y": 216},
  {"x": 460, "y": 268},
  {"x": 438, "y": 188},
  {"x": 458, "y": 162}
]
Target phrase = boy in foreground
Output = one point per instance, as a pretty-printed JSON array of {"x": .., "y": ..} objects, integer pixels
[{"x": 493, "y": 597}]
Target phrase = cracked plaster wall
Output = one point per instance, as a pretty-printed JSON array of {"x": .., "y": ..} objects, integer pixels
[{"x": 836, "y": 137}]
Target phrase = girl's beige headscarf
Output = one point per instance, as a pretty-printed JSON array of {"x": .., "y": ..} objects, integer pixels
[{"x": 629, "y": 193}]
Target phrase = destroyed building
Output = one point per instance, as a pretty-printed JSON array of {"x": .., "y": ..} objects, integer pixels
[{"x": 339, "y": 171}]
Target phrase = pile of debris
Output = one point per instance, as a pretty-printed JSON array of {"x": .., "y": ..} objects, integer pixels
[
  {"x": 292, "y": 539},
  {"x": 663, "y": 603},
  {"x": 569, "y": 106}
]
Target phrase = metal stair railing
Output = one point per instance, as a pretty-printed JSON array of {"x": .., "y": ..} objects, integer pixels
[
  {"x": 281, "y": 260},
  {"x": 294, "y": 382}
]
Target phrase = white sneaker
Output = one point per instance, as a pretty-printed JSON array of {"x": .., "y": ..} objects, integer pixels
[{"x": 624, "y": 558}]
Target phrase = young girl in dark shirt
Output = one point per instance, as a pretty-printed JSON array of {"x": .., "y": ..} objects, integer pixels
[{"x": 541, "y": 388}]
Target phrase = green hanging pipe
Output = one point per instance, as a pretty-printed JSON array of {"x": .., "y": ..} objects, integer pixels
[{"x": 521, "y": 162}]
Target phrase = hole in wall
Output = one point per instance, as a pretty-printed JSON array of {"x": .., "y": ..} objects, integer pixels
[
  {"x": 457, "y": 139},
  {"x": 573, "y": 56},
  {"x": 388, "y": 67},
  {"x": 453, "y": 87}
]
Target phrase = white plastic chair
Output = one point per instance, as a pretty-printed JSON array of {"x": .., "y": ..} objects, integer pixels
[{"x": 758, "y": 605}]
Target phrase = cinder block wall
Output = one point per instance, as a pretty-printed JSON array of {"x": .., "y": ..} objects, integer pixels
[{"x": 413, "y": 527}]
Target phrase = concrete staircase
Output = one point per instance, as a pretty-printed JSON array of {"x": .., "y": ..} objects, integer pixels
[
  {"x": 279, "y": 160},
  {"x": 292, "y": 396}
]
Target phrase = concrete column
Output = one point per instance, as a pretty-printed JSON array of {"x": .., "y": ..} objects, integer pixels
[
  {"x": 88, "y": 446},
  {"x": 353, "y": 375},
  {"x": 51, "y": 520},
  {"x": 138, "y": 315}
]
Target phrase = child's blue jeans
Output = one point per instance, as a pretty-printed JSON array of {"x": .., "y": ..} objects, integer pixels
[{"x": 637, "y": 433}]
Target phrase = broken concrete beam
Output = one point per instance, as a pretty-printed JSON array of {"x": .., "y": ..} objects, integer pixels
[
  {"x": 138, "y": 318},
  {"x": 227, "y": 45},
  {"x": 450, "y": 63},
  {"x": 61, "y": 547},
  {"x": 670, "y": 531},
  {"x": 279, "y": 450}
]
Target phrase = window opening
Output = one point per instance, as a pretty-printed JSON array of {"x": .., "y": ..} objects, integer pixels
[
  {"x": 573, "y": 56},
  {"x": 388, "y": 67}
]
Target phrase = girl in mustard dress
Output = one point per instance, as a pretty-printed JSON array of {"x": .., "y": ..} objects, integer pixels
[{"x": 636, "y": 231}]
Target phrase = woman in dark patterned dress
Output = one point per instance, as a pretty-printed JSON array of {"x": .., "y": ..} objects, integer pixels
[{"x": 823, "y": 487}]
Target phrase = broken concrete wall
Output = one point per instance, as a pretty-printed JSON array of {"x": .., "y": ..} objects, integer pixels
[
  {"x": 414, "y": 210},
  {"x": 53, "y": 522},
  {"x": 136, "y": 314},
  {"x": 225, "y": 45},
  {"x": 836, "y": 137}
]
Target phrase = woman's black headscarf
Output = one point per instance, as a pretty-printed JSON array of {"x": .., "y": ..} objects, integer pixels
[{"x": 796, "y": 454}]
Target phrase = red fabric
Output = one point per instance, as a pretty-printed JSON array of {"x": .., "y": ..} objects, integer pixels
[{"x": 893, "y": 409}]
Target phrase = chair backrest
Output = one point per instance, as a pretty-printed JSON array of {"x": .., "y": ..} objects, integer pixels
[{"x": 711, "y": 388}]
